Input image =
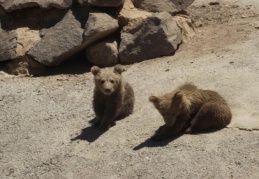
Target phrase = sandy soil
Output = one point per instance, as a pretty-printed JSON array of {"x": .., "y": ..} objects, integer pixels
[{"x": 44, "y": 120}]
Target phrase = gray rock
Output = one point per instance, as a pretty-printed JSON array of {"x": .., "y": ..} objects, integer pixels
[
  {"x": 68, "y": 37},
  {"x": 98, "y": 26},
  {"x": 102, "y": 3},
  {"x": 34, "y": 18},
  {"x": 171, "y": 6},
  {"x": 156, "y": 36},
  {"x": 8, "y": 44},
  {"x": 63, "y": 40},
  {"x": 104, "y": 53},
  {"x": 51, "y": 17},
  {"x": 12, "y": 5}
]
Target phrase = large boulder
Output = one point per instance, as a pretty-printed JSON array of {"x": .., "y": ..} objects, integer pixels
[
  {"x": 156, "y": 36},
  {"x": 12, "y": 5},
  {"x": 98, "y": 26},
  {"x": 171, "y": 6},
  {"x": 62, "y": 40},
  {"x": 129, "y": 13},
  {"x": 102, "y": 3},
  {"x": 104, "y": 53}
]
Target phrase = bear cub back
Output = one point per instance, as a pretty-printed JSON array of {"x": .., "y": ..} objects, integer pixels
[
  {"x": 191, "y": 109},
  {"x": 113, "y": 97}
]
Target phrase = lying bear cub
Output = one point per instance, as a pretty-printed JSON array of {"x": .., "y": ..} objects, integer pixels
[
  {"x": 189, "y": 109},
  {"x": 113, "y": 97}
]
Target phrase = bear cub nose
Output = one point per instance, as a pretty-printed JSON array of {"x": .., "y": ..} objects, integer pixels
[{"x": 107, "y": 90}]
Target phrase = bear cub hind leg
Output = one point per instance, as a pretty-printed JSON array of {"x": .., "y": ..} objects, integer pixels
[{"x": 210, "y": 115}]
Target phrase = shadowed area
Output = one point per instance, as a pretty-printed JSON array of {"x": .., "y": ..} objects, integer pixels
[
  {"x": 90, "y": 134},
  {"x": 150, "y": 143}
]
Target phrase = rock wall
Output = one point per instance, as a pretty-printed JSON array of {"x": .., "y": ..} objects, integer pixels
[{"x": 110, "y": 32}]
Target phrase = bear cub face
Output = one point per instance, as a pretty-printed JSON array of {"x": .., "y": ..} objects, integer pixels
[
  {"x": 106, "y": 81},
  {"x": 169, "y": 106}
]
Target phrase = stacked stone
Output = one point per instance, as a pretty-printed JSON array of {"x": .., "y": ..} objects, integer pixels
[{"x": 48, "y": 32}]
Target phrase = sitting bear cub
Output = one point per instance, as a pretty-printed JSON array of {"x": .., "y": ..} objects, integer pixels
[
  {"x": 113, "y": 97},
  {"x": 190, "y": 109}
]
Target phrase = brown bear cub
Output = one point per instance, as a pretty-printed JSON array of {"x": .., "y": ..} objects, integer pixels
[
  {"x": 190, "y": 109},
  {"x": 113, "y": 97}
]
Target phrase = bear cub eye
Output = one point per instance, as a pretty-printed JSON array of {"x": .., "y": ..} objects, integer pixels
[
  {"x": 102, "y": 81},
  {"x": 112, "y": 81}
]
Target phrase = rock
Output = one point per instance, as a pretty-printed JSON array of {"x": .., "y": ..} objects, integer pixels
[
  {"x": 26, "y": 39},
  {"x": 184, "y": 22},
  {"x": 16, "y": 43},
  {"x": 98, "y": 26},
  {"x": 8, "y": 44},
  {"x": 34, "y": 18},
  {"x": 214, "y": 3},
  {"x": 62, "y": 40},
  {"x": 129, "y": 12},
  {"x": 102, "y": 3},
  {"x": 12, "y": 5},
  {"x": 51, "y": 17},
  {"x": 30, "y": 18},
  {"x": 68, "y": 37},
  {"x": 24, "y": 66},
  {"x": 104, "y": 53},
  {"x": 198, "y": 23},
  {"x": 2, "y": 13},
  {"x": 156, "y": 36},
  {"x": 171, "y": 6}
]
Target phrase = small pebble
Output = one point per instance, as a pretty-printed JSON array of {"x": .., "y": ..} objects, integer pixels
[
  {"x": 213, "y": 3},
  {"x": 256, "y": 25}
]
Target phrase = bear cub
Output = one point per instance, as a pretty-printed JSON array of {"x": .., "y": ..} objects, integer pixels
[
  {"x": 189, "y": 109},
  {"x": 113, "y": 97}
]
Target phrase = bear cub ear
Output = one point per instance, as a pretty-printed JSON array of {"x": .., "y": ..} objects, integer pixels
[
  {"x": 153, "y": 99},
  {"x": 119, "y": 69},
  {"x": 178, "y": 97},
  {"x": 95, "y": 70}
]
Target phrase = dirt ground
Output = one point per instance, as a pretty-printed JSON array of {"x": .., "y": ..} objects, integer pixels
[{"x": 44, "y": 120}]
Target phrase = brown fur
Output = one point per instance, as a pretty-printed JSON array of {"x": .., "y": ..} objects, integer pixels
[
  {"x": 113, "y": 97},
  {"x": 190, "y": 109}
]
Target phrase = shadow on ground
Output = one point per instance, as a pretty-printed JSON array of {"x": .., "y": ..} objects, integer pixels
[
  {"x": 150, "y": 143},
  {"x": 90, "y": 133}
]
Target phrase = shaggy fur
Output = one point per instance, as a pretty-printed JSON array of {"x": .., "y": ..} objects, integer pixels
[
  {"x": 190, "y": 109},
  {"x": 113, "y": 97}
]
